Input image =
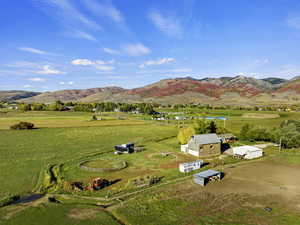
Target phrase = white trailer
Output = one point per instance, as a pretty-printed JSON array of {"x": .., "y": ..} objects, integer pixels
[{"x": 190, "y": 166}]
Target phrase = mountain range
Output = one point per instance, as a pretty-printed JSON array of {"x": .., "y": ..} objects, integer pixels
[{"x": 238, "y": 90}]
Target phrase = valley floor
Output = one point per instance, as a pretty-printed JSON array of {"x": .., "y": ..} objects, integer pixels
[{"x": 260, "y": 192}]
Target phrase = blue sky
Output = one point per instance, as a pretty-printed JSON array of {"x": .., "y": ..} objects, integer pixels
[{"x": 49, "y": 45}]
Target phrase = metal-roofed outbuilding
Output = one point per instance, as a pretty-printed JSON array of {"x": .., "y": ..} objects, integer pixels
[{"x": 204, "y": 177}]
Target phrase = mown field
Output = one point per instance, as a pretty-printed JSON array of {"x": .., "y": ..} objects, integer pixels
[{"x": 68, "y": 139}]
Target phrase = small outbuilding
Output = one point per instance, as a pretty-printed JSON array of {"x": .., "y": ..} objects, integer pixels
[
  {"x": 125, "y": 148},
  {"x": 206, "y": 176},
  {"x": 227, "y": 138},
  {"x": 190, "y": 166},
  {"x": 180, "y": 118},
  {"x": 247, "y": 152}
]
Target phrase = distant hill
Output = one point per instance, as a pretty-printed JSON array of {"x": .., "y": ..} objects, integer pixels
[
  {"x": 291, "y": 86},
  {"x": 238, "y": 90},
  {"x": 275, "y": 80},
  {"x": 74, "y": 95},
  {"x": 10, "y": 96}
]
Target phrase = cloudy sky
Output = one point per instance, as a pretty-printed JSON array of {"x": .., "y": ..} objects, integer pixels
[{"x": 61, "y": 44}]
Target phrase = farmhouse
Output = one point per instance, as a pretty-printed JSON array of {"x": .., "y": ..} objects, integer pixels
[
  {"x": 204, "y": 177},
  {"x": 204, "y": 144},
  {"x": 190, "y": 166},
  {"x": 247, "y": 152}
]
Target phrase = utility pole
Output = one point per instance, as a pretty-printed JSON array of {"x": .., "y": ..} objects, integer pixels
[{"x": 280, "y": 143}]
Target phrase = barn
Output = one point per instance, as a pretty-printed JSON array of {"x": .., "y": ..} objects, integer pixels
[
  {"x": 190, "y": 166},
  {"x": 203, "y": 144},
  {"x": 247, "y": 152},
  {"x": 204, "y": 177}
]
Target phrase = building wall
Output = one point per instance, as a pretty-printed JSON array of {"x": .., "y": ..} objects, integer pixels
[
  {"x": 184, "y": 148},
  {"x": 210, "y": 149},
  {"x": 192, "y": 152},
  {"x": 253, "y": 155}
]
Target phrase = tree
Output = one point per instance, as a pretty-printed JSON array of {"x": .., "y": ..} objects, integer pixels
[
  {"x": 148, "y": 109},
  {"x": 245, "y": 131},
  {"x": 22, "y": 126},
  {"x": 185, "y": 134},
  {"x": 25, "y": 107},
  {"x": 200, "y": 127},
  {"x": 212, "y": 127}
]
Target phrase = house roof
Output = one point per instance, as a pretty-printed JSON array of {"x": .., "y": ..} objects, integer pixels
[
  {"x": 191, "y": 163},
  {"x": 204, "y": 139},
  {"x": 242, "y": 150},
  {"x": 207, "y": 173}
]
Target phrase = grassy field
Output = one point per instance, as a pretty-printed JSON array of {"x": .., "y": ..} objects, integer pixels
[
  {"x": 242, "y": 197},
  {"x": 66, "y": 140},
  {"x": 49, "y": 214}
]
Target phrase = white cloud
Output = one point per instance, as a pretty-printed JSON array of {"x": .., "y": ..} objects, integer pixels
[
  {"x": 260, "y": 62},
  {"x": 104, "y": 67},
  {"x": 28, "y": 86},
  {"x": 87, "y": 62},
  {"x": 47, "y": 70},
  {"x": 34, "y": 51},
  {"x": 136, "y": 49},
  {"x": 37, "y": 79},
  {"x": 65, "y": 12},
  {"x": 157, "y": 62},
  {"x": 105, "y": 8},
  {"x": 82, "y": 62},
  {"x": 98, "y": 64},
  {"x": 67, "y": 83},
  {"x": 111, "y": 51},
  {"x": 82, "y": 35},
  {"x": 169, "y": 25},
  {"x": 294, "y": 22}
]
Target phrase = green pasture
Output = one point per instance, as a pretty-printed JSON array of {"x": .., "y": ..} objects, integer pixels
[{"x": 68, "y": 139}]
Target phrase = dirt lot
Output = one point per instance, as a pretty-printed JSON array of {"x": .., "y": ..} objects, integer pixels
[{"x": 260, "y": 179}]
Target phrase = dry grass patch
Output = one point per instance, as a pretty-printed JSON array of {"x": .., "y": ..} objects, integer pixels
[
  {"x": 261, "y": 116},
  {"x": 83, "y": 214}
]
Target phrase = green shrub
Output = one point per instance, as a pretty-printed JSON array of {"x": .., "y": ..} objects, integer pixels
[
  {"x": 9, "y": 200},
  {"x": 22, "y": 126}
]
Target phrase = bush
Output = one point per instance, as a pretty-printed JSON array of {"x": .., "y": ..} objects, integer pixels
[
  {"x": 94, "y": 118},
  {"x": 22, "y": 126}
]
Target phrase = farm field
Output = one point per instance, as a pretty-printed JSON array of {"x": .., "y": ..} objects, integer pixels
[
  {"x": 243, "y": 197},
  {"x": 67, "y": 140}
]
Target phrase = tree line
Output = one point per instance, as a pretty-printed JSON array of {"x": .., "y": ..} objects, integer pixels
[
  {"x": 287, "y": 134},
  {"x": 145, "y": 108}
]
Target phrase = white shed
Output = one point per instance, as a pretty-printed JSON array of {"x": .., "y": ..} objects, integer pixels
[
  {"x": 248, "y": 152},
  {"x": 190, "y": 166}
]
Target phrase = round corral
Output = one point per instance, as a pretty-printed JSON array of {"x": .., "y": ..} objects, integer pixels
[{"x": 103, "y": 165}]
